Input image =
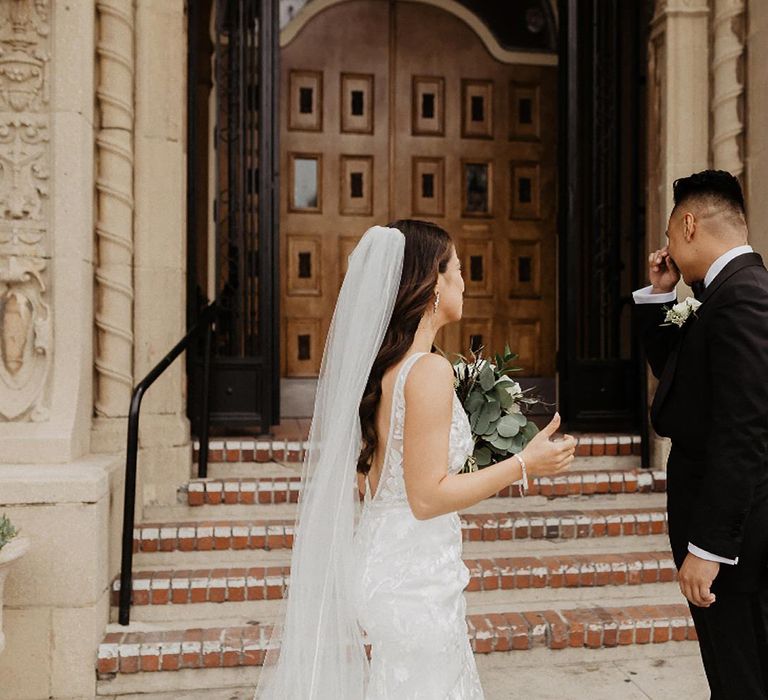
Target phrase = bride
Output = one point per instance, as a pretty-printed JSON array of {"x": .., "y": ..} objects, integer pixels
[{"x": 388, "y": 429}]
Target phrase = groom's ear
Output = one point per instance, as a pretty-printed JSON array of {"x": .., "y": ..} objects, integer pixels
[{"x": 689, "y": 226}]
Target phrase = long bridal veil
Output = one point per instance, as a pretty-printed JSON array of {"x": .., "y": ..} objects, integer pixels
[{"x": 316, "y": 648}]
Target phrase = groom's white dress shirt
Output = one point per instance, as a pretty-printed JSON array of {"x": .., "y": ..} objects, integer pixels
[{"x": 646, "y": 296}]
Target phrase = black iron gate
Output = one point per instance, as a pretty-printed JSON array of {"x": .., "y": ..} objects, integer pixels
[
  {"x": 240, "y": 259},
  {"x": 602, "y": 210}
]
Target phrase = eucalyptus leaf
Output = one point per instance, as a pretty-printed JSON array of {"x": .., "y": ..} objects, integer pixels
[
  {"x": 475, "y": 401},
  {"x": 502, "y": 394},
  {"x": 483, "y": 456},
  {"x": 505, "y": 399},
  {"x": 502, "y": 443},
  {"x": 508, "y": 426},
  {"x": 520, "y": 418},
  {"x": 529, "y": 430},
  {"x": 493, "y": 410},
  {"x": 487, "y": 378}
]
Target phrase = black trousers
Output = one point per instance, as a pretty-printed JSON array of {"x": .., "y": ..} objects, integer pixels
[{"x": 733, "y": 638}]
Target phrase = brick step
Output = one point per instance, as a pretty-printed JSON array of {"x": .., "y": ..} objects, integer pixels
[
  {"x": 498, "y": 504},
  {"x": 188, "y": 536},
  {"x": 471, "y": 550},
  {"x": 237, "y": 584},
  {"x": 285, "y": 489},
  {"x": 238, "y": 450},
  {"x": 228, "y": 470},
  {"x": 562, "y": 550},
  {"x": 150, "y": 651}
]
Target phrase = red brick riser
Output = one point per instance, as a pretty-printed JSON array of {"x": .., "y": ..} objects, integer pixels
[
  {"x": 221, "y": 585},
  {"x": 594, "y": 628},
  {"x": 254, "y": 450},
  {"x": 485, "y": 527}
]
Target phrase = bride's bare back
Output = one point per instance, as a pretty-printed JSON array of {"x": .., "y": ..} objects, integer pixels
[{"x": 383, "y": 416}]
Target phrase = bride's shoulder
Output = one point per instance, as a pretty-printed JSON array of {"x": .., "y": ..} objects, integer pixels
[{"x": 430, "y": 374}]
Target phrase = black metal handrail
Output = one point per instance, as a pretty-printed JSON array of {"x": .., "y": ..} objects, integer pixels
[{"x": 206, "y": 321}]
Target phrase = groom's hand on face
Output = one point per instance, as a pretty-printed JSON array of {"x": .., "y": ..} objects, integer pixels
[
  {"x": 695, "y": 578},
  {"x": 662, "y": 271}
]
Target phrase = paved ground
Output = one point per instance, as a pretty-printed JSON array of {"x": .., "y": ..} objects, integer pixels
[
  {"x": 655, "y": 672},
  {"x": 647, "y": 674}
]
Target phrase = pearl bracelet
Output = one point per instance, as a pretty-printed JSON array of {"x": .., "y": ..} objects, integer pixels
[{"x": 524, "y": 485}]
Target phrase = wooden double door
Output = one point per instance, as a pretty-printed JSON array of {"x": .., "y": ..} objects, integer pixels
[{"x": 398, "y": 110}]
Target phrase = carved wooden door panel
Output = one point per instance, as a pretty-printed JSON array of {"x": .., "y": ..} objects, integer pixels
[
  {"x": 396, "y": 122},
  {"x": 479, "y": 139},
  {"x": 335, "y": 164}
]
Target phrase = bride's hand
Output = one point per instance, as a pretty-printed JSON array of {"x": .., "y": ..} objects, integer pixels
[{"x": 543, "y": 456}]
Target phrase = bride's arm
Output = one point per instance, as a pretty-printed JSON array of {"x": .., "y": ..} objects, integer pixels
[{"x": 430, "y": 489}]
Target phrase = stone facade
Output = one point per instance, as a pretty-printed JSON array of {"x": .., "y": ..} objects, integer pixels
[
  {"x": 93, "y": 268},
  {"x": 92, "y": 119}
]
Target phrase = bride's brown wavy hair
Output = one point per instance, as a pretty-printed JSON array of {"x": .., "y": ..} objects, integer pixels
[{"x": 428, "y": 250}]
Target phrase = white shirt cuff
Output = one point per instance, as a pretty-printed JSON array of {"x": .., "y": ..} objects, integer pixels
[
  {"x": 646, "y": 296},
  {"x": 701, "y": 554}
]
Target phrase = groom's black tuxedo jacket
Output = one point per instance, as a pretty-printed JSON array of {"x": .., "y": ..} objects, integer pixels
[{"x": 712, "y": 401}]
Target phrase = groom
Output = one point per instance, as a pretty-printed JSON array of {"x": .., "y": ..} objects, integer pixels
[{"x": 712, "y": 401}]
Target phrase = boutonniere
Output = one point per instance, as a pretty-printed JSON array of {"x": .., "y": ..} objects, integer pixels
[{"x": 680, "y": 313}]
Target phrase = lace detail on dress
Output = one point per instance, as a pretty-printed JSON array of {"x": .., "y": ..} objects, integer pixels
[{"x": 409, "y": 579}]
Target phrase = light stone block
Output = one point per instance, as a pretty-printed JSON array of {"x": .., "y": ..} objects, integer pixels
[
  {"x": 76, "y": 634},
  {"x": 162, "y": 470},
  {"x": 73, "y": 88},
  {"x": 25, "y": 664},
  {"x": 67, "y": 561}
]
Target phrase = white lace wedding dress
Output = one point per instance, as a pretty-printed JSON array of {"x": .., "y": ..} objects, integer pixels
[{"x": 410, "y": 577}]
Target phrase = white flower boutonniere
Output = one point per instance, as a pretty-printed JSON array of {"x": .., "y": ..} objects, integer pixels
[{"x": 681, "y": 312}]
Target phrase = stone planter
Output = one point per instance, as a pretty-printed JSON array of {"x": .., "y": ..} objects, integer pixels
[{"x": 15, "y": 549}]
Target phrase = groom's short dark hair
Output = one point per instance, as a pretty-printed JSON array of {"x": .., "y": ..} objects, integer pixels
[{"x": 717, "y": 187}]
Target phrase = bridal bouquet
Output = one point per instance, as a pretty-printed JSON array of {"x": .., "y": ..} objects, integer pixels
[{"x": 496, "y": 407}]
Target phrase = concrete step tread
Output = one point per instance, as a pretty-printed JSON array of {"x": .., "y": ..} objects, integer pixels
[
  {"x": 477, "y": 602},
  {"x": 176, "y": 559},
  {"x": 204, "y": 615},
  {"x": 226, "y": 470},
  {"x": 285, "y": 488},
  {"x": 257, "y": 511}
]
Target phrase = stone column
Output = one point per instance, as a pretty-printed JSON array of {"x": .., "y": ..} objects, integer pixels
[
  {"x": 141, "y": 236},
  {"x": 683, "y": 27},
  {"x": 727, "y": 86},
  {"x": 160, "y": 240},
  {"x": 756, "y": 141},
  {"x": 678, "y": 123},
  {"x": 114, "y": 219}
]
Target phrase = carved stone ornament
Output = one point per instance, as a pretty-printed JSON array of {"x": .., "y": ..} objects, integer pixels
[
  {"x": 23, "y": 63},
  {"x": 25, "y": 337},
  {"x": 25, "y": 316},
  {"x": 23, "y": 169}
]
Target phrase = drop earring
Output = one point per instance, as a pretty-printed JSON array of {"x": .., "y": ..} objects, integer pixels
[{"x": 437, "y": 301}]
